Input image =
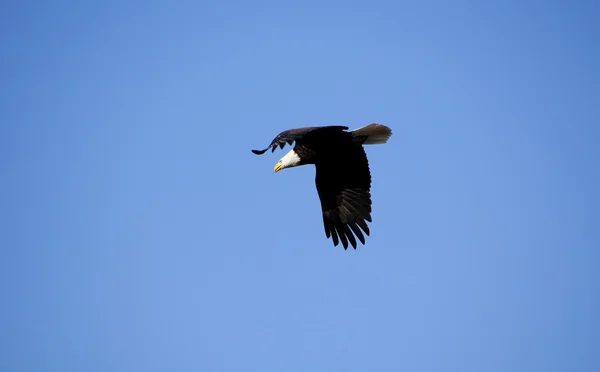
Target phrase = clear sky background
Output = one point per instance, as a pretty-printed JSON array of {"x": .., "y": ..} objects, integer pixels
[{"x": 139, "y": 233}]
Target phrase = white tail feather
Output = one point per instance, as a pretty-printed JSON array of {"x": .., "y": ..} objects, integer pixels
[{"x": 376, "y": 134}]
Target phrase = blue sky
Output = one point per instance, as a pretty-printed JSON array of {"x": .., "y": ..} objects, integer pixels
[{"x": 141, "y": 234}]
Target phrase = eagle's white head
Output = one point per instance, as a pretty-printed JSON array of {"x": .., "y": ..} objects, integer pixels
[{"x": 291, "y": 159}]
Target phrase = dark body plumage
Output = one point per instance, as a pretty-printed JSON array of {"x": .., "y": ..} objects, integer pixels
[{"x": 343, "y": 179}]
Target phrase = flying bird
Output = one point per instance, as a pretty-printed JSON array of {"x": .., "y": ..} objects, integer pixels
[{"x": 343, "y": 178}]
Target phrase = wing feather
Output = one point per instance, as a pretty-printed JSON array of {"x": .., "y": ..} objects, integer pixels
[
  {"x": 343, "y": 182},
  {"x": 357, "y": 232},
  {"x": 291, "y": 135}
]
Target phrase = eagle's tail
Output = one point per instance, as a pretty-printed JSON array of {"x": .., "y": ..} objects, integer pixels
[{"x": 372, "y": 134}]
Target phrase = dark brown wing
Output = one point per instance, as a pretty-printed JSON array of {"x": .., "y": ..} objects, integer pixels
[
  {"x": 289, "y": 136},
  {"x": 343, "y": 183}
]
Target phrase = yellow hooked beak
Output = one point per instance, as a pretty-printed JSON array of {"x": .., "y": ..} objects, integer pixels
[{"x": 277, "y": 167}]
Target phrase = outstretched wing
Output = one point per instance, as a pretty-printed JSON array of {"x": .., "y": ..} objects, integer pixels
[
  {"x": 289, "y": 136},
  {"x": 344, "y": 185}
]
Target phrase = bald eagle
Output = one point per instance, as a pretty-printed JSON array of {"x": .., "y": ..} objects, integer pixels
[{"x": 343, "y": 178}]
